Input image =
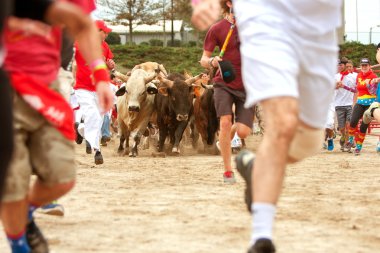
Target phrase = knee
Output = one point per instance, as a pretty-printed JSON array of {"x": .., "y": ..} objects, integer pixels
[
  {"x": 243, "y": 131},
  {"x": 225, "y": 124},
  {"x": 284, "y": 128},
  {"x": 64, "y": 188}
]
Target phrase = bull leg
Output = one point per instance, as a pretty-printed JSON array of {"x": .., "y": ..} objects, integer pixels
[
  {"x": 136, "y": 142},
  {"x": 162, "y": 137},
  {"x": 178, "y": 136},
  {"x": 121, "y": 144}
]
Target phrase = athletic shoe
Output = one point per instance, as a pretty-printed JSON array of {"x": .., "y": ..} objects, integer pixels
[
  {"x": 324, "y": 145},
  {"x": 36, "y": 239},
  {"x": 348, "y": 146},
  {"x": 367, "y": 117},
  {"x": 103, "y": 141},
  {"x": 98, "y": 157},
  {"x": 330, "y": 145},
  {"x": 52, "y": 209},
  {"x": 342, "y": 140},
  {"x": 244, "y": 163},
  {"x": 262, "y": 246},
  {"x": 229, "y": 177},
  {"x": 78, "y": 138},
  {"x": 357, "y": 151},
  {"x": 378, "y": 148},
  {"x": 88, "y": 148}
]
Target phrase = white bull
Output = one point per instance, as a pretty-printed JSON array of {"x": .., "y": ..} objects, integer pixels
[{"x": 135, "y": 106}]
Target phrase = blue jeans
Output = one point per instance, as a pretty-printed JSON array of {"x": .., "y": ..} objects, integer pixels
[{"x": 106, "y": 126}]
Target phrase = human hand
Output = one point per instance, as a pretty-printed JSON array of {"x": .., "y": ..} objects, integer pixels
[
  {"x": 105, "y": 96},
  {"x": 110, "y": 64},
  {"x": 339, "y": 85},
  {"x": 215, "y": 61},
  {"x": 205, "y": 13}
]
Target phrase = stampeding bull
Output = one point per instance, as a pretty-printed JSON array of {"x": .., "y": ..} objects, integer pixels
[
  {"x": 174, "y": 105},
  {"x": 206, "y": 119},
  {"x": 135, "y": 106}
]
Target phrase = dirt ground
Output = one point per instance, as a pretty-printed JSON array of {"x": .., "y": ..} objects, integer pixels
[{"x": 330, "y": 203}]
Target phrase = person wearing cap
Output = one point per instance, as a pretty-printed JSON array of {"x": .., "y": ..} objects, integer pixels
[
  {"x": 227, "y": 92},
  {"x": 373, "y": 112},
  {"x": 43, "y": 120},
  {"x": 86, "y": 95},
  {"x": 344, "y": 98},
  {"x": 364, "y": 100}
]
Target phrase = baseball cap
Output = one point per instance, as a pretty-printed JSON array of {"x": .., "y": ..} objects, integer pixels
[
  {"x": 227, "y": 71},
  {"x": 378, "y": 46},
  {"x": 102, "y": 26},
  {"x": 364, "y": 61}
]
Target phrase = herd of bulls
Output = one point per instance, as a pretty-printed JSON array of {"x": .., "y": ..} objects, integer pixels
[{"x": 171, "y": 102}]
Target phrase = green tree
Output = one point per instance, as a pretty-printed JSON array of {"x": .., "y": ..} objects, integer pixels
[
  {"x": 113, "y": 38},
  {"x": 132, "y": 12}
]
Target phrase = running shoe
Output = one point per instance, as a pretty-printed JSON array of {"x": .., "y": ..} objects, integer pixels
[
  {"x": 52, "y": 209},
  {"x": 98, "y": 158},
  {"x": 36, "y": 239},
  {"x": 244, "y": 165},
  {"x": 88, "y": 148},
  {"x": 330, "y": 145},
  {"x": 262, "y": 246},
  {"x": 342, "y": 140},
  {"x": 378, "y": 148},
  {"x": 348, "y": 146},
  {"x": 78, "y": 138},
  {"x": 357, "y": 151},
  {"x": 367, "y": 116},
  {"x": 229, "y": 177}
]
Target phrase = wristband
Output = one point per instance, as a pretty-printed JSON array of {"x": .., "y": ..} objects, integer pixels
[
  {"x": 195, "y": 2},
  {"x": 101, "y": 75},
  {"x": 97, "y": 64}
]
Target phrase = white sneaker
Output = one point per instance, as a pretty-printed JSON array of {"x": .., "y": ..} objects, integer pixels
[
  {"x": 217, "y": 145},
  {"x": 236, "y": 142}
]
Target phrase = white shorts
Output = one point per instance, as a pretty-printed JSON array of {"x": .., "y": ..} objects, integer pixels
[{"x": 278, "y": 61}]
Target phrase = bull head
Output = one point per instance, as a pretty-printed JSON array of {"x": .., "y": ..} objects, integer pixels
[{"x": 150, "y": 78}]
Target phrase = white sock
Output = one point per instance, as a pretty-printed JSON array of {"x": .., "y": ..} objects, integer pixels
[{"x": 262, "y": 221}]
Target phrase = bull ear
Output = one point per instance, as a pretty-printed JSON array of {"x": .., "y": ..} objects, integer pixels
[
  {"x": 150, "y": 78},
  {"x": 166, "y": 82},
  {"x": 163, "y": 91},
  {"x": 121, "y": 91},
  {"x": 189, "y": 81}
]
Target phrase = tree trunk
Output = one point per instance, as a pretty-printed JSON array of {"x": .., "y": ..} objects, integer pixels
[{"x": 130, "y": 33}]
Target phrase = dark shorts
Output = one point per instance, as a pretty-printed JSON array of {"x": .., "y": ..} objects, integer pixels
[
  {"x": 225, "y": 98},
  {"x": 343, "y": 114}
]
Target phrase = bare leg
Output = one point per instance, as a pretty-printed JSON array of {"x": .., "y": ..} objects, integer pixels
[{"x": 225, "y": 140}]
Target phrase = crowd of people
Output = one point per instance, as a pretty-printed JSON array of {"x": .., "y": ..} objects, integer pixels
[{"x": 41, "y": 125}]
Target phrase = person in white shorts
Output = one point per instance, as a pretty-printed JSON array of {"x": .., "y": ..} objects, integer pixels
[{"x": 294, "y": 91}]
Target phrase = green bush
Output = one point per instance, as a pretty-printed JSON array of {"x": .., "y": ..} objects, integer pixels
[
  {"x": 156, "y": 43},
  {"x": 175, "y": 43},
  {"x": 144, "y": 43},
  {"x": 354, "y": 51},
  {"x": 113, "y": 39},
  {"x": 191, "y": 43}
]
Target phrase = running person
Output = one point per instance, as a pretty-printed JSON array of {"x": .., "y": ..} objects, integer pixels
[
  {"x": 43, "y": 120},
  {"x": 302, "y": 39},
  {"x": 344, "y": 98},
  {"x": 227, "y": 95},
  {"x": 364, "y": 100},
  {"x": 86, "y": 95}
]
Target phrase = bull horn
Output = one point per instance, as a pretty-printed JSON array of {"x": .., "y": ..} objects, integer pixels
[
  {"x": 121, "y": 76},
  {"x": 191, "y": 80},
  {"x": 207, "y": 86},
  {"x": 163, "y": 70},
  {"x": 187, "y": 74},
  {"x": 150, "y": 78},
  {"x": 136, "y": 67},
  {"x": 165, "y": 81}
]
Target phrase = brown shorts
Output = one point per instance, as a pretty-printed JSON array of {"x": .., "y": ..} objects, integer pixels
[
  {"x": 40, "y": 149},
  {"x": 225, "y": 98}
]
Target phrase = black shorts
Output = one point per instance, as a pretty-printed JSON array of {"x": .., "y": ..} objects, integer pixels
[{"x": 225, "y": 98}]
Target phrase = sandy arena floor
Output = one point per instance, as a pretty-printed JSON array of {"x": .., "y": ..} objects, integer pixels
[{"x": 330, "y": 203}]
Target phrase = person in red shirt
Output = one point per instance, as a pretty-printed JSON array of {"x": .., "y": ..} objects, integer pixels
[
  {"x": 43, "y": 120},
  {"x": 230, "y": 94},
  {"x": 87, "y": 98}
]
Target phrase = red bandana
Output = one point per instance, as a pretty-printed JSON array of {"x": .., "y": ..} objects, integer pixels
[{"x": 47, "y": 102}]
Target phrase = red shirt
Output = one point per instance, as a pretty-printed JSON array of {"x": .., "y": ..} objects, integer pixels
[
  {"x": 37, "y": 56},
  {"x": 362, "y": 86},
  {"x": 216, "y": 37},
  {"x": 83, "y": 78}
]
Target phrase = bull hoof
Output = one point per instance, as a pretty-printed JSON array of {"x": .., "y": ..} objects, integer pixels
[
  {"x": 132, "y": 154},
  {"x": 120, "y": 151},
  {"x": 175, "y": 150}
]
